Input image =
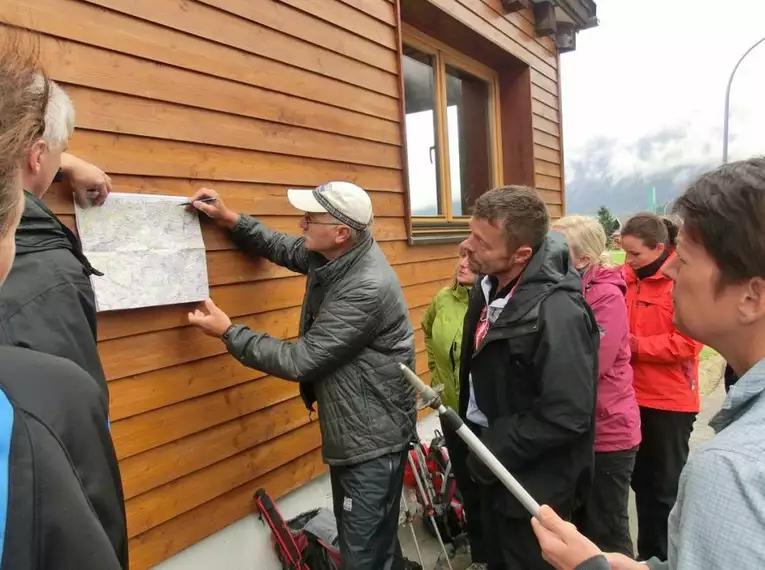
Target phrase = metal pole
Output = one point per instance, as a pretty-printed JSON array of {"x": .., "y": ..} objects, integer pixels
[{"x": 727, "y": 100}]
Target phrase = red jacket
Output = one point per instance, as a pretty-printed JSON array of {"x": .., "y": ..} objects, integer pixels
[{"x": 665, "y": 363}]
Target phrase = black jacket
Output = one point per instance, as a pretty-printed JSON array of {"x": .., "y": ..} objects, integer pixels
[
  {"x": 47, "y": 303},
  {"x": 62, "y": 504},
  {"x": 535, "y": 378}
]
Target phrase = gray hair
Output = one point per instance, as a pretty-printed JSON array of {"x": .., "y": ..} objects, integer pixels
[{"x": 59, "y": 114}]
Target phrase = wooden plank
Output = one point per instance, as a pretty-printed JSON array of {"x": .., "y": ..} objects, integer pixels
[
  {"x": 544, "y": 61},
  {"x": 160, "y": 505},
  {"x": 262, "y": 302},
  {"x": 551, "y": 197},
  {"x": 543, "y": 110},
  {"x": 110, "y": 112},
  {"x": 359, "y": 38},
  {"x": 206, "y": 22},
  {"x": 160, "y": 465},
  {"x": 548, "y": 154},
  {"x": 519, "y": 46},
  {"x": 165, "y": 540},
  {"x": 543, "y": 139},
  {"x": 127, "y": 154},
  {"x": 548, "y": 182},
  {"x": 114, "y": 31},
  {"x": 384, "y": 11},
  {"x": 359, "y": 16},
  {"x": 255, "y": 199},
  {"x": 546, "y": 126},
  {"x": 547, "y": 168},
  {"x": 544, "y": 82},
  {"x": 544, "y": 97},
  {"x": 525, "y": 24},
  {"x": 84, "y": 65}
]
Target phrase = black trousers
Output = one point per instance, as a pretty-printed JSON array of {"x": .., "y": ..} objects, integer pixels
[
  {"x": 366, "y": 500},
  {"x": 510, "y": 542},
  {"x": 604, "y": 518},
  {"x": 659, "y": 461},
  {"x": 471, "y": 498}
]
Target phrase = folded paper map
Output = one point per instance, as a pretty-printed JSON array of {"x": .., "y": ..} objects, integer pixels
[{"x": 148, "y": 247}]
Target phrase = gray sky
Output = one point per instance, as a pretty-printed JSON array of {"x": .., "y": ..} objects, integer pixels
[{"x": 663, "y": 64}]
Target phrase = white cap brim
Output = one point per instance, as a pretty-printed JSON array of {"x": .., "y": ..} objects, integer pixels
[{"x": 304, "y": 201}]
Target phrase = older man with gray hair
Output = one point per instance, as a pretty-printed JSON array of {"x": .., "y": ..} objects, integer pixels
[
  {"x": 354, "y": 329},
  {"x": 47, "y": 303}
]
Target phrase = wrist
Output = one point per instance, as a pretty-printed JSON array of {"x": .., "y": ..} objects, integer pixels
[
  {"x": 230, "y": 220},
  {"x": 226, "y": 334},
  {"x": 67, "y": 162}
]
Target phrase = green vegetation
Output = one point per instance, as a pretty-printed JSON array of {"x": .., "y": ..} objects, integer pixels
[
  {"x": 617, "y": 256},
  {"x": 607, "y": 220}
]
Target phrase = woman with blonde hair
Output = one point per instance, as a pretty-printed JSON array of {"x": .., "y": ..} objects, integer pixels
[
  {"x": 442, "y": 325},
  {"x": 604, "y": 518}
]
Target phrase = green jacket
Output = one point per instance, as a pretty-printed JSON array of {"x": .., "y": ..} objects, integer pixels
[{"x": 442, "y": 325}]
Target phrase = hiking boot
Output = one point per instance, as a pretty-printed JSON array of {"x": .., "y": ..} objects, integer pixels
[{"x": 477, "y": 566}]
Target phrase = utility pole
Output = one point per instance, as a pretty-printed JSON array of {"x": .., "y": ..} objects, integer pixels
[{"x": 727, "y": 100}]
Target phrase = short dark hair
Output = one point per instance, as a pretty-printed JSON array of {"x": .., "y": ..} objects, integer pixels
[
  {"x": 521, "y": 210},
  {"x": 647, "y": 227},
  {"x": 724, "y": 211}
]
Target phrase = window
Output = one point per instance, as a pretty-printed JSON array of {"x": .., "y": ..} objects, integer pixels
[{"x": 452, "y": 139}]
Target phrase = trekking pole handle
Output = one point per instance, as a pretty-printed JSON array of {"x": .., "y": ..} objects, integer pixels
[{"x": 429, "y": 396}]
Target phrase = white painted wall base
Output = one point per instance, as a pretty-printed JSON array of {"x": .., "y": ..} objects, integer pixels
[{"x": 246, "y": 544}]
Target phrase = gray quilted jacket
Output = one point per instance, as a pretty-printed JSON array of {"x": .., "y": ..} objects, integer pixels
[{"x": 354, "y": 329}]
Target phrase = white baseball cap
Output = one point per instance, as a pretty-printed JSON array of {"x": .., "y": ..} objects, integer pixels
[{"x": 344, "y": 201}]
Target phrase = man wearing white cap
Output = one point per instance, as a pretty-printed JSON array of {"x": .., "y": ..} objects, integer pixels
[{"x": 354, "y": 329}]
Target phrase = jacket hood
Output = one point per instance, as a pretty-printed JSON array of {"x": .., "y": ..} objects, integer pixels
[
  {"x": 549, "y": 269},
  {"x": 39, "y": 229},
  {"x": 605, "y": 276}
]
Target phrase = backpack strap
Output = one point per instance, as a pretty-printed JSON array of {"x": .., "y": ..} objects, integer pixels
[{"x": 284, "y": 538}]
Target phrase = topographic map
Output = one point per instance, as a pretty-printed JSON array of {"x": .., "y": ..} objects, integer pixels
[{"x": 148, "y": 247}]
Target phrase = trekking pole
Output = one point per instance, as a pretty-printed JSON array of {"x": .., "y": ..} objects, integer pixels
[
  {"x": 428, "y": 503},
  {"x": 450, "y": 417},
  {"x": 410, "y": 521}
]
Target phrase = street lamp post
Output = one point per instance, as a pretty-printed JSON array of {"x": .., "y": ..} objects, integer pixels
[{"x": 727, "y": 100}]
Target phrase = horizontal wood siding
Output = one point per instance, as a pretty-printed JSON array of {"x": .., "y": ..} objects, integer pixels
[{"x": 248, "y": 97}]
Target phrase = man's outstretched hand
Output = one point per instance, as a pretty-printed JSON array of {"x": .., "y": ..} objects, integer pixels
[
  {"x": 89, "y": 183},
  {"x": 562, "y": 545},
  {"x": 213, "y": 207},
  {"x": 210, "y": 319}
]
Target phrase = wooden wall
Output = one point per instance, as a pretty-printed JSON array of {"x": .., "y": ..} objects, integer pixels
[{"x": 248, "y": 97}]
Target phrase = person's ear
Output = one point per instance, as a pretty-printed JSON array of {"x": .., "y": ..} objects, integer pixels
[
  {"x": 342, "y": 235},
  {"x": 752, "y": 305},
  {"x": 35, "y": 156},
  {"x": 523, "y": 254}
]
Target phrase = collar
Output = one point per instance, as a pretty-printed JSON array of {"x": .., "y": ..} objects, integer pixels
[
  {"x": 742, "y": 396},
  {"x": 337, "y": 268}
]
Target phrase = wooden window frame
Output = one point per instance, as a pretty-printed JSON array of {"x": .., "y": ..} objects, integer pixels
[{"x": 447, "y": 226}]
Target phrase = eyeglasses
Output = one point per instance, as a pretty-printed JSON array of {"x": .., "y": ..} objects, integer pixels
[{"x": 308, "y": 220}]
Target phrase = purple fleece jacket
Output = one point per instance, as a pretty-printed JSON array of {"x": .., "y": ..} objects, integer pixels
[{"x": 617, "y": 424}]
